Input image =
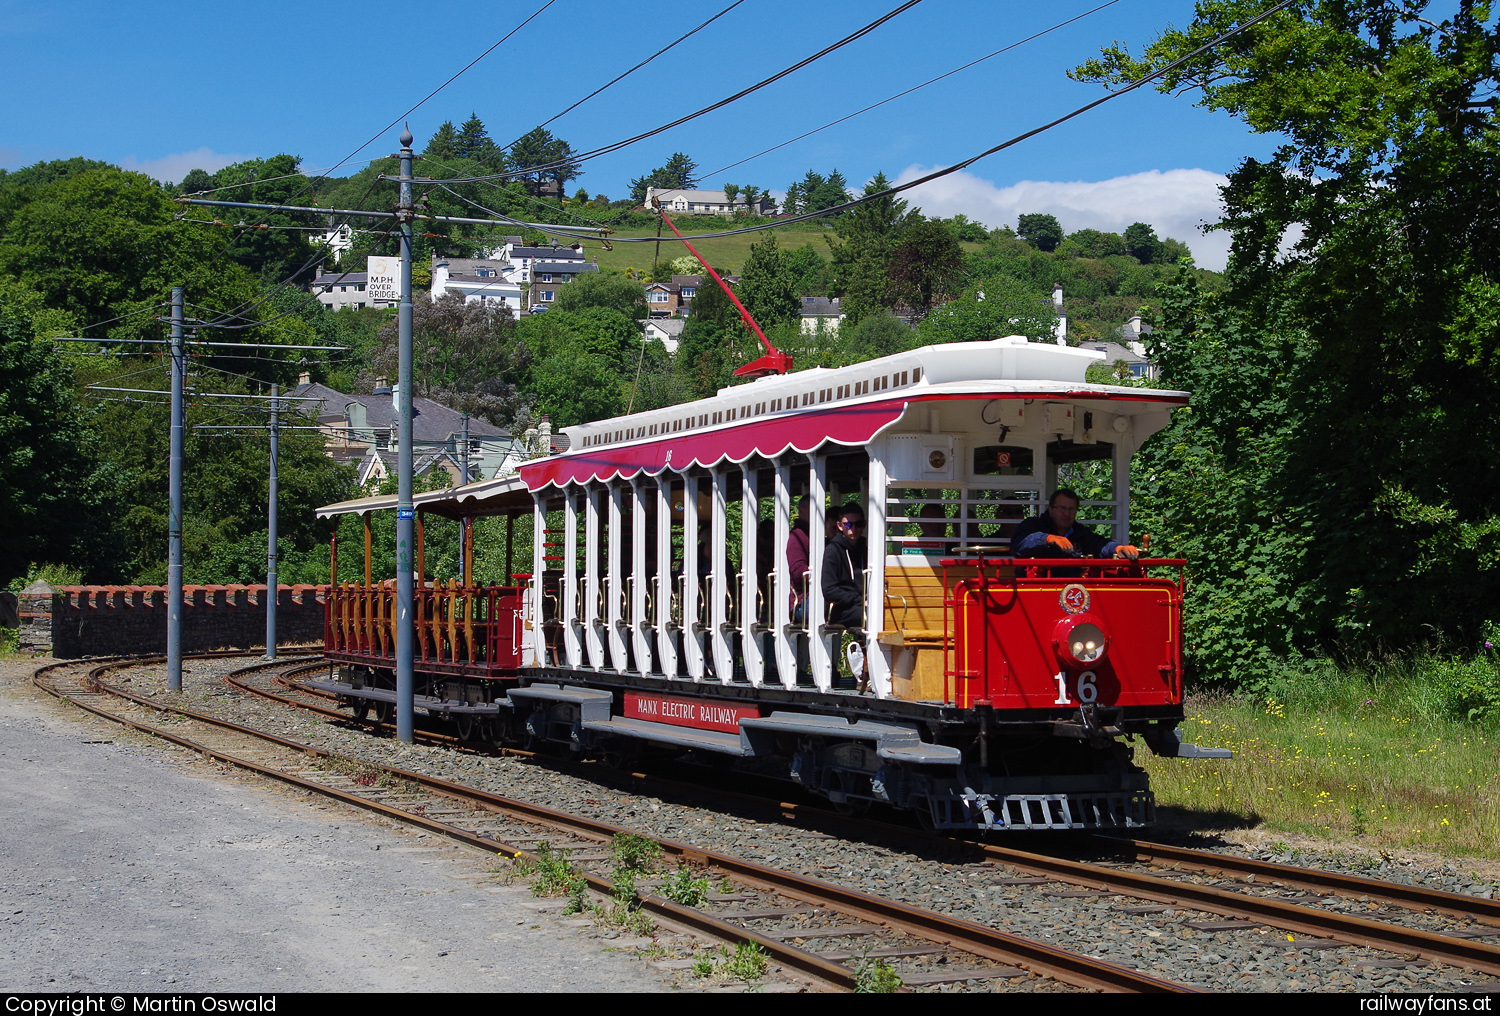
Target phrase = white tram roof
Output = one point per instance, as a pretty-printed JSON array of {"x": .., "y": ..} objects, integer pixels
[
  {"x": 846, "y": 406},
  {"x": 486, "y": 497}
]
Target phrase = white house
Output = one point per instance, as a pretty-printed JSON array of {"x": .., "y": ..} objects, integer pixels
[
  {"x": 479, "y": 280},
  {"x": 338, "y": 290}
]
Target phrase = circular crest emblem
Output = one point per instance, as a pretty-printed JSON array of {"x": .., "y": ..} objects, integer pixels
[{"x": 1074, "y": 598}]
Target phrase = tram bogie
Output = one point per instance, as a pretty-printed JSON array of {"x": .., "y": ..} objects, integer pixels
[{"x": 982, "y": 690}]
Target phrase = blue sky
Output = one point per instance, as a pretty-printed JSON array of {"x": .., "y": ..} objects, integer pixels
[{"x": 166, "y": 86}]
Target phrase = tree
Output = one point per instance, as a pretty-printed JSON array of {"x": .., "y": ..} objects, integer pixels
[
  {"x": 539, "y": 158},
  {"x": 1043, "y": 232},
  {"x": 680, "y": 173},
  {"x": 456, "y": 346},
  {"x": 443, "y": 144},
  {"x": 1141, "y": 243},
  {"x": 54, "y": 493},
  {"x": 1340, "y": 435},
  {"x": 880, "y": 217},
  {"x": 596, "y": 289},
  {"x": 926, "y": 265},
  {"x": 767, "y": 287},
  {"x": 997, "y": 307},
  {"x": 1092, "y": 243}
]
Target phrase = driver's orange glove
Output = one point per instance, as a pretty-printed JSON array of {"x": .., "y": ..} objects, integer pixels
[
  {"x": 1061, "y": 543},
  {"x": 1125, "y": 550}
]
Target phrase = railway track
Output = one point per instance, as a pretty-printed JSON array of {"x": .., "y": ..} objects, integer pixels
[
  {"x": 1317, "y": 910},
  {"x": 822, "y": 932}
]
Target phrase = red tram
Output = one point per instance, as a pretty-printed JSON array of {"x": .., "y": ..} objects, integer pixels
[{"x": 656, "y": 610}]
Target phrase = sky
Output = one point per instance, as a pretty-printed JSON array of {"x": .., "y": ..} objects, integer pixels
[{"x": 162, "y": 86}]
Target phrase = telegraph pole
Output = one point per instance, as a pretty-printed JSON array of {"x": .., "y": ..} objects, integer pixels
[
  {"x": 271, "y": 496},
  {"x": 405, "y": 509},
  {"x": 174, "y": 517}
]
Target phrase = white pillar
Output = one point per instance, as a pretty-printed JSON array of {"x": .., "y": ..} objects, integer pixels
[
  {"x": 819, "y": 651},
  {"x": 592, "y": 624},
  {"x": 666, "y": 648},
  {"x": 876, "y": 657},
  {"x": 692, "y": 625},
  {"x": 614, "y": 578},
  {"x": 640, "y": 630},
  {"x": 572, "y": 640},
  {"x": 781, "y": 591},
  {"x": 720, "y": 633},
  {"x": 751, "y": 647}
]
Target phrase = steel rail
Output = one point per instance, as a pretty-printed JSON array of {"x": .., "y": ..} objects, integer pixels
[
  {"x": 1409, "y": 896},
  {"x": 1347, "y": 928},
  {"x": 967, "y": 936},
  {"x": 1285, "y": 915}
]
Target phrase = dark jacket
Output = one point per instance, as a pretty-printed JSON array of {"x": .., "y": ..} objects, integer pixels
[
  {"x": 843, "y": 580},
  {"x": 1030, "y": 539}
]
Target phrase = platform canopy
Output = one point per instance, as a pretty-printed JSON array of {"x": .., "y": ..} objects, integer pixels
[{"x": 487, "y": 497}]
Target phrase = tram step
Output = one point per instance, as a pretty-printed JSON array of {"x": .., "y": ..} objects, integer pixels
[{"x": 667, "y": 733}]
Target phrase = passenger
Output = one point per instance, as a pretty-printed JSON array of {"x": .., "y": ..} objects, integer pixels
[
  {"x": 844, "y": 568},
  {"x": 1057, "y": 533},
  {"x": 797, "y": 557},
  {"x": 933, "y": 533}
]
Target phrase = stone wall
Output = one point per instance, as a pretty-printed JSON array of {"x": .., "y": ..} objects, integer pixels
[{"x": 121, "y": 620}]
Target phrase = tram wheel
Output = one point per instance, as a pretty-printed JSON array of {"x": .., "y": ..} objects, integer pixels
[
  {"x": 465, "y": 722},
  {"x": 384, "y": 712},
  {"x": 360, "y": 708}
]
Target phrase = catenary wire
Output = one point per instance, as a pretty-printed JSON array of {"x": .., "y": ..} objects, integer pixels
[
  {"x": 680, "y": 39},
  {"x": 956, "y": 167},
  {"x": 899, "y": 95},
  {"x": 616, "y": 146}
]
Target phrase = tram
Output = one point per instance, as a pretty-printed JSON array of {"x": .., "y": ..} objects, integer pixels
[{"x": 655, "y": 610}]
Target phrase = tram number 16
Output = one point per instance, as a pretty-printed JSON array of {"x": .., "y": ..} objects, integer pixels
[{"x": 1087, "y": 691}]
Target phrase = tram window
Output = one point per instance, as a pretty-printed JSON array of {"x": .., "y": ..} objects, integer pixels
[
  {"x": 916, "y": 375},
  {"x": 1003, "y": 460}
]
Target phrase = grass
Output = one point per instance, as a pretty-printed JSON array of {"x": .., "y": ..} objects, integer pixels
[
  {"x": 726, "y": 254},
  {"x": 1376, "y": 753}
]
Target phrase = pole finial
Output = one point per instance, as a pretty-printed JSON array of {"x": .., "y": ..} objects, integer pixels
[{"x": 406, "y": 138}]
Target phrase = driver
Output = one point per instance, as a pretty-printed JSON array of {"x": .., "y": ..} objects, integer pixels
[{"x": 1057, "y": 533}]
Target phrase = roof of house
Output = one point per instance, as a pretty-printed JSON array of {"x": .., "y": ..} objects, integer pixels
[
  {"x": 671, "y": 327},
  {"x": 564, "y": 266},
  {"x": 551, "y": 253},
  {"x": 706, "y": 196},
  {"x": 821, "y": 306},
  {"x": 431, "y": 421},
  {"x": 1113, "y": 351}
]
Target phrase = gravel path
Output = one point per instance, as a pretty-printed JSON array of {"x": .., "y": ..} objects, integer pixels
[{"x": 132, "y": 866}]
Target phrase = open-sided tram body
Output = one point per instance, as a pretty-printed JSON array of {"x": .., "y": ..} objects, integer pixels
[{"x": 656, "y": 606}]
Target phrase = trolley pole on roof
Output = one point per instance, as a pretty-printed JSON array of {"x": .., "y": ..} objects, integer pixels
[
  {"x": 405, "y": 509},
  {"x": 174, "y": 516},
  {"x": 271, "y": 498}
]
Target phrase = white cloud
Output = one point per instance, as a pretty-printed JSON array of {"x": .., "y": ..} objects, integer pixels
[
  {"x": 172, "y": 168},
  {"x": 1175, "y": 202}
]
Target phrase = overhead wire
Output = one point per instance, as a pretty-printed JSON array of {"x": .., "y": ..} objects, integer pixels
[
  {"x": 931, "y": 81},
  {"x": 350, "y": 156},
  {"x": 958, "y": 166},
  {"x": 616, "y": 146},
  {"x": 617, "y": 79}
]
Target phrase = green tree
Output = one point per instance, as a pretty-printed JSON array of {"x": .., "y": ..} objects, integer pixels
[
  {"x": 55, "y": 493},
  {"x": 1042, "y": 231},
  {"x": 997, "y": 307},
  {"x": 444, "y": 142},
  {"x": 1141, "y": 243},
  {"x": 597, "y": 289},
  {"x": 680, "y": 173},
  {"x": 1340, "y": 437},
  {"x": 767, "y": 287},
  {"x": 926, "y": 265}
]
